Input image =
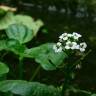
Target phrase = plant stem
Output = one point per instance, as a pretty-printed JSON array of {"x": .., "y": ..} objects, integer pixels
[
  {"x": 67, "y": 70},
  {"x": 66, "y": 81},
  {"x": 81, "y": 58},
  {"x": 35, "y": 73},
  {"x": 20, "y": 68},
  {"x": 84, "y": 91}
]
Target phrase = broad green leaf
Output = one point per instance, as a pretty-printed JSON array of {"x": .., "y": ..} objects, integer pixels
[
  {"x": 25, "y": 88},
  {"x": 19, "y": 32},
  {"x": 24, "y": 19},
  {"x": 13, "y": 46},
  {"x": 2, "y": 44},
  {"x": 7, "y": 20},
  {"x": 3, "y": 68},
  {"x": 45, "y": 55},
  {"x": 29, "y": 22}
]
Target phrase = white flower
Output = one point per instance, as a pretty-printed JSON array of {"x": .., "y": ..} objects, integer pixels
[
  {"x": 82, "y": 46},
  {"x": 76, "y": 35},
  {"x": 82, "y": 49},
  {"x": 77, "y": 47},
  {"x": 70, "y": 45},
  {"x": 57, "y": 49},
  {"x": 70, "y": 35},
  {"x": 69, "y": 41},
  {"x": 64, "y": 36},
  {"x": 58, "y": 44}
]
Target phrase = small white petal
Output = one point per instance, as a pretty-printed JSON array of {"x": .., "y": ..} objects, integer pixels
[
  {"x": 67, "y": 47},
  {"x": 58, "y": 44},
  {"x": 69, "y": 35},
  {"x": 74, "y": 44},
  {"x": 65, "y": 38},
  {"x": 76, "y": 35},
  {"x": 77, "y": 47},
  {"x": 83, "y": 45},
  {"x": 57, "y": 49},
  {"x": 82, "y": 49},
  {"x": 61, "y": 37},
  {"x": 68, "y": 42}
]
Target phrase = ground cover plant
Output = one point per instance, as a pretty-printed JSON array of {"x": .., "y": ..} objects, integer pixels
[{"x": 16, "y": 31}]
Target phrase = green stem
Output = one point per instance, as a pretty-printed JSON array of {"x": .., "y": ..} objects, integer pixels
[
  {"x": 35, "y": 73},
  {"x": 67, "y": 71},
  {"x": 82, "y": 58},
  {"x": 67, "y": 79},
  {"x": 65, "y": 87},
  {"x": 84, "y": 91},
  {"x": 20, "y": 68}
]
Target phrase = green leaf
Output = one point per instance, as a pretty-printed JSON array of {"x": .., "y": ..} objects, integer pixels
[
  {"x": 3, "y": 68},
  {"x": 7, "y": 20},
  {"x": 45, "y": 55},
  {"x": 29, "y": 22},
  {"x": 19, "y": 32},
  {"x": 2, "y": 44},
  {"x": 25, "y": 88},
  {"x": 93, "y": 95},
  {"x": 24, "y": 19},
  {"x": 13, "y": 46}
]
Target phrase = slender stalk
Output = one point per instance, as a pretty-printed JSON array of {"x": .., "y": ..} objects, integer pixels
[
  {"x": 35, "y": 73},
  {"x": 84, "y": 91},
  {"x": 78, "y": 61},
  {"x": 65, "y": 87},
  {"x": 68, "y": 69},
  {"x": 67, "y": 80},
  {"x": 76, "y": 90},
  {"x": 20, "y": 68}
]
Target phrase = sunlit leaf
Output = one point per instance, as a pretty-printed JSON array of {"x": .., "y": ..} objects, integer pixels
[
  {"x": 29, "y": 22},
  {"x": 19, "y": 32},
  {"x": 93, "y": 95},
  {"x": 3, "y": 68},
  {"x": 12, "y": 46},
  {"x": 2, "y": 44},
  {"x": 46, "y": 56},
  {"x": 6, "y": 20},
  {"x": 25, "y": 88}
]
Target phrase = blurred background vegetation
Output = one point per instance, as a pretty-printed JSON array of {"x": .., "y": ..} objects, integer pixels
[{"x": 65, "y": 15}]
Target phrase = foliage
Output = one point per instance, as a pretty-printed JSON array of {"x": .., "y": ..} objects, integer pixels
[
  {"x": 45, "y": 55},
  {"x": 25, "y": 88},
  {"x": 3, "y": 68},
  {"x": 19, "y": 30},
  {"x": 7, "y": 20}
]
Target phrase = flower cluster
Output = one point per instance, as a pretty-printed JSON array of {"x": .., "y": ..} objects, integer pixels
[{"x": 69, "y": 41}]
